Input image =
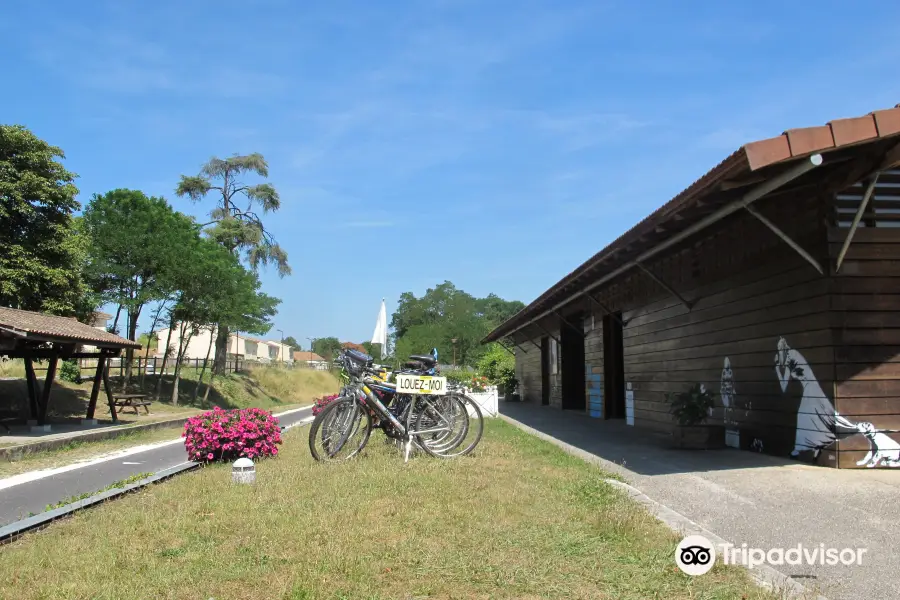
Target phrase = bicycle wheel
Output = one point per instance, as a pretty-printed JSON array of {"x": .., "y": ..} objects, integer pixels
[
  {"x": 343, "y": 426},
  {"x": 465, "y": 426}
]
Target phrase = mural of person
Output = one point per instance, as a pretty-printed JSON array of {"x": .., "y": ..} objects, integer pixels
[
  {"x": 729, "y": 395},
  {"x": 727, "y": 390},
  {"x": 816, "y": 417}
]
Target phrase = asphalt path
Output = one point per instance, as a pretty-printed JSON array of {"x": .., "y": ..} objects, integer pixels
[{"x": 18, "y": 499}]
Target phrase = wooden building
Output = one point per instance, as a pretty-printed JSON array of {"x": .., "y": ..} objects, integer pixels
[{"x": 773, "y": 280}]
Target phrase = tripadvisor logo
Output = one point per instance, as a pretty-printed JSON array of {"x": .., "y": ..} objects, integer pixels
[{"x": 696, "y": 555}]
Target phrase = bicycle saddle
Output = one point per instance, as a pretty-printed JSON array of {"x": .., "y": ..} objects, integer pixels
[{"x": 428, "y": 361}]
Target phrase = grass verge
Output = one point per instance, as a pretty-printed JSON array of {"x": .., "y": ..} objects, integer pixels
[{"x": 521, "y": 519}]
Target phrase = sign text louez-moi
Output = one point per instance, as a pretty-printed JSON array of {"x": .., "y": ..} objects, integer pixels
[{"x": 421, "y": 384}]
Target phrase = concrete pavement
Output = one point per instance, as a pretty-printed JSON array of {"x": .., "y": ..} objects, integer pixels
[
  {"x": 743, "y": 497},
  {"x": 27, "y": 495}
]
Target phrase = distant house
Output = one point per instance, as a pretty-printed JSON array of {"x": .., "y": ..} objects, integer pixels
[
  {"x": 239, "y": 345},
  {"x": 352, "y": 346},
  {"x": 310, "y": 359}
]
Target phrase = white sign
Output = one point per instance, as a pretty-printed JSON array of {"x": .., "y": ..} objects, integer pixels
[
  {"x": 421, "y": 384},
  {"x": 629, "y": 405}
]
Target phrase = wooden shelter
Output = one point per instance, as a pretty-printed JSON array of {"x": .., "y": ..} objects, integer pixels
[{"x": 36, "y": 336}]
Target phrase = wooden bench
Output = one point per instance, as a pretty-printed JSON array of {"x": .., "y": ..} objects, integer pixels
[{"x": 132, "y": 401}]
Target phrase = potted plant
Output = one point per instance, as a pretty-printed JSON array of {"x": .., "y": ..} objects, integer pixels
[
  {"x": 691, "y": 409},
  {"x": 512, "y": 389}
]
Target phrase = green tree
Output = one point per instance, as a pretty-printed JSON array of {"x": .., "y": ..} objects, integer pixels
[
  {"x": 43, "y": 253},
  {"x": 444, "y": 314},
  {"x": 214, "y": 288},
  {"x": 236, "y": 224},
  {"x": 373, "y": 350},
  {"x": 495, "y": 310},
  {"x": 137, "y": 248},
  {"x": 327, "y": 347},
  {"x": 292, "y": 342}
]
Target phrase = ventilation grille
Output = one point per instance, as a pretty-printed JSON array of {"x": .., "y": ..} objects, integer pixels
[{"x": 883, "y": 209}]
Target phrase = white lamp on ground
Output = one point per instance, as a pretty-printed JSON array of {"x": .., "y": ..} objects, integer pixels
[{"x": 243, "y": 471}]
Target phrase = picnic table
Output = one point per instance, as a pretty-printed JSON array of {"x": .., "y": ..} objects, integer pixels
[{"x": 133, "y": 401}]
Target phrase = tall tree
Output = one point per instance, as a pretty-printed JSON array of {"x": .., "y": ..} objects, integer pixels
[
  {"x": 138, "y": 245},
  {"x": 373, "y": 350},
  {"x": 216, "y": 289},
  {"x": 236, "y": 223},
  {"x": 292, "y": 342},
  {"x": 444, "y": 314},
  {"x": 42, "y": 257},
  {"x": 327, "y": 347}
]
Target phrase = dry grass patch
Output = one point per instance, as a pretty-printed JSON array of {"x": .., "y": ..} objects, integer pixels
[{"x": 520, "y": 520}]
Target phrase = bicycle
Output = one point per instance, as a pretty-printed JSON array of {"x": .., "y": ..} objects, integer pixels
[
  {"x": 438, "y": 425},
  {"x": 447, "y": 444}
]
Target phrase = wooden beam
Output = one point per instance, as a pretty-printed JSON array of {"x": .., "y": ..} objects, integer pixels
[
  {"x": 736, "y": 183},
  {"x": 515, "y": 345},
  {"x": 95, "y": 390},
  {"x": 48, "y": 387},
  {"x": 44, "y": 353},
  {"x": 536, "y": 345},
  {"x": 891, "y": 158},
  {"x": 505, "y": 347},
  {"x": 545, "y": 330},
  {"x": 109, "y": 394},
  {"x": 605, "y": 310},
  {"x": 663, "y": 285},
  {"x": 31, "y": 382},
  {"x": 571, "y": 326},
  {"x": 856, "y": 219},
  {"x": 786, "y": 239}
]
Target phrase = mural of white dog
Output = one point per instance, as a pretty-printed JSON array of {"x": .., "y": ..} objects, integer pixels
[{"x": 883, "y": 449}]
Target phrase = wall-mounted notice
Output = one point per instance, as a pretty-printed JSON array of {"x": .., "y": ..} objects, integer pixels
[{"x": 629, "y": 405}]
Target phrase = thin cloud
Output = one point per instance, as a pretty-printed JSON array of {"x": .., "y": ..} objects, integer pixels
[{"x": 368, "y": 224}]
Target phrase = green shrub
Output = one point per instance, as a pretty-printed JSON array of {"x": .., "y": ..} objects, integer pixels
[
  {"x": 499, "y": 366},
  {"x": 70, "y": 371},
  {"x": 458, "y": 376}
]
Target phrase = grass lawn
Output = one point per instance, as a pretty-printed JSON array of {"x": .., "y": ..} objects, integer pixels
[{"x": 521, "y": 519}]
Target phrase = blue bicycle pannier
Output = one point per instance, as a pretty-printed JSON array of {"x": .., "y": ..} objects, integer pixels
[
  {"x": 358, "y": 356},
  {"x": 357, "y": 360}
]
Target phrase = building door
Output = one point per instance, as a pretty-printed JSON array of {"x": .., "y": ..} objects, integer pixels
[
  {"x": 545, "y": 371},
  {"x": 574, "y": 387},
  {"x": 613, "y": 366}
]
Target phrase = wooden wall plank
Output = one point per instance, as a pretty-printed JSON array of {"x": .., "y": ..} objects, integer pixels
[{"x": 867, "y": 335}]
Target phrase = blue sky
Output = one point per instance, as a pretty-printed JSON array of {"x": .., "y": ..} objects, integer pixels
[{"x": 495, "y": 144}]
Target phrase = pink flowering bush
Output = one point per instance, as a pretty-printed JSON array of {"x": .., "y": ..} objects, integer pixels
[
  {"x": 322, "y": 402},
  {"x": 231, "y": 434}
]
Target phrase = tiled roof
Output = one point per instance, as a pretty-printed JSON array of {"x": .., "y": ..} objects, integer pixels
[
  {"x": 304, "y": 355},
  {"x": 39, "y": 326}
]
